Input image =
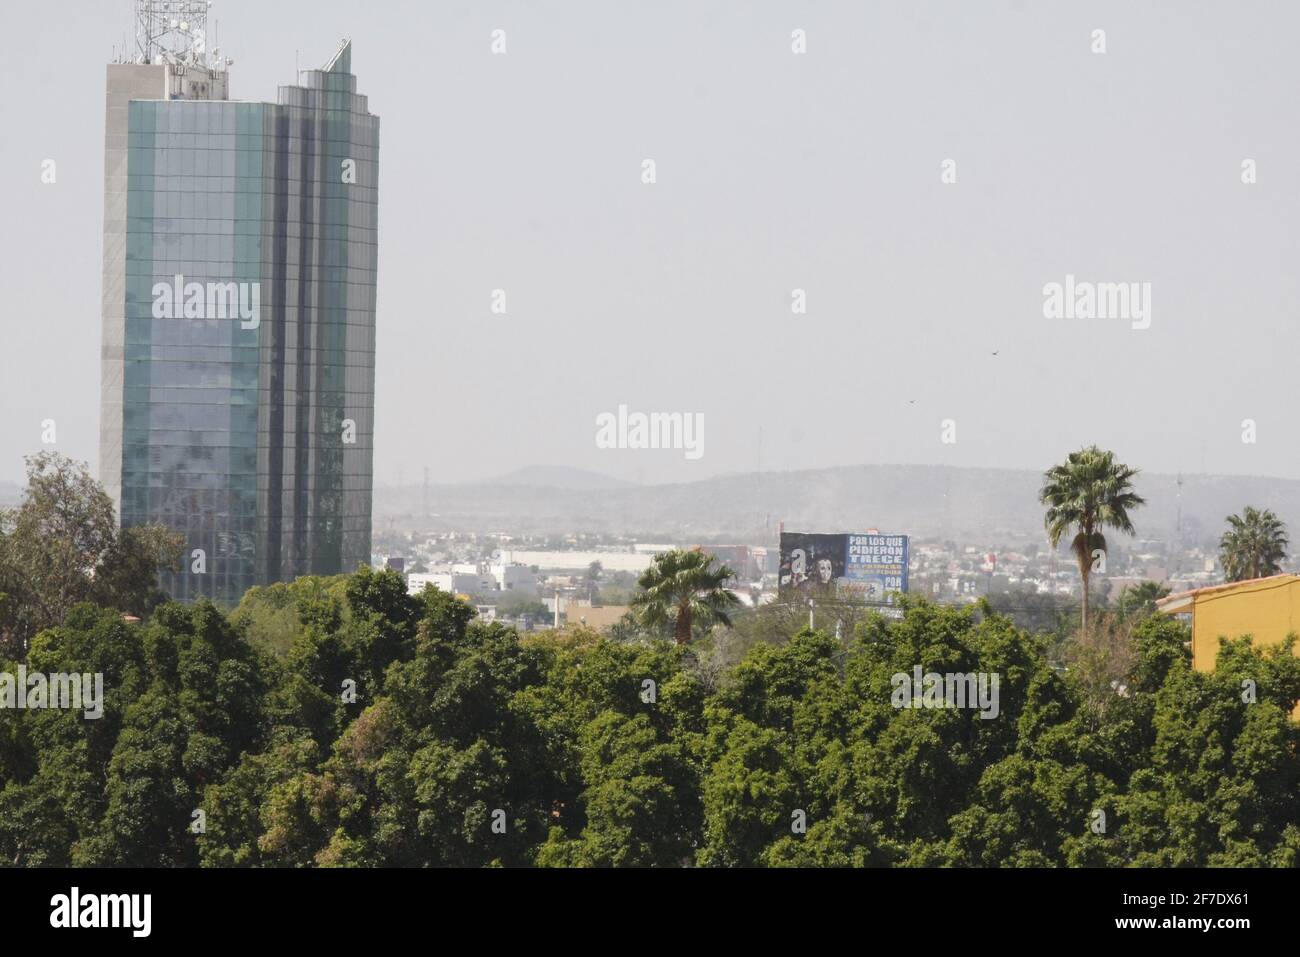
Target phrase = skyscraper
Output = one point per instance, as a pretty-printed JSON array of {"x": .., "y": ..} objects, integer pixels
[{"x": 238, "y": 351}]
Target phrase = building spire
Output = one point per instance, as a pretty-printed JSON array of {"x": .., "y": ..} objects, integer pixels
[{"x": 341, "y": 61}]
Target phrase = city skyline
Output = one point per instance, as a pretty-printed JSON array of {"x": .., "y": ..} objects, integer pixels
[
  {"x": 751, "y": 434},
  {"x": 821, "y": 171}
]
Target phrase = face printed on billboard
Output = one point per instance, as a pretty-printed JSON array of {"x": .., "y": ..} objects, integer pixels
[
  {"x": 868, "y": 567},
  {"x": 811, "y": 565}
]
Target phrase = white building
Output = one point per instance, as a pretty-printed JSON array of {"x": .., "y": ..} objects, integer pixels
[
  {"x": 452, "y": 581},
  {"x": 515, "y": 576}
]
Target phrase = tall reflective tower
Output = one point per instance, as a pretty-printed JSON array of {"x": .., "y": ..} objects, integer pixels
[{"x": 240, "y": 245}]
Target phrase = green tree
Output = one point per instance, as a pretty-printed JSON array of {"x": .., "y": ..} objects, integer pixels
[
  {"x": 592, "y": 579},
  {"x": 683, "y": 587},
  {"x": 514, "y": 604},
  {"x": 273, "y": 616},
  {"x": 127, "y": 578},
  {"x": 467, "y": 745},
  {"x": 1086, "y": 494},
  {"x": 1253, "y": 546},
  {"x": 61, "y": 546},
  {"x": 621, "y": 722},
  {"x": 1037, "y": 613},
  {"x": 1139, "y": 601},
  {"x": 1219, "y": 784}
]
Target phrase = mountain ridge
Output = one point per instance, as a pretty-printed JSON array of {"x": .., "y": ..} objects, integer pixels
[{"x": 958, "y": 502}]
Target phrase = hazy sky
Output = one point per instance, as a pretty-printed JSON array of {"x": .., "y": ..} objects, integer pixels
[{"x": 775, "y": 171}]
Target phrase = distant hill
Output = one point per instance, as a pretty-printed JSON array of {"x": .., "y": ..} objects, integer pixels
[
  {"x": 559, "y": 476},
  {"x": 966, "y": 504}
]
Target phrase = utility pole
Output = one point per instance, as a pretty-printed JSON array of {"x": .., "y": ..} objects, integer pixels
[{"x": 811, "y": 619}]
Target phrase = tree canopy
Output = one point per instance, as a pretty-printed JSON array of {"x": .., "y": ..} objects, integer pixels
[
  {"x": 1253, "y": 546},
  {"x": 61, "y": 545},
  {"x": 684, "y": 588},
  {"x": 381, "y": 728}
]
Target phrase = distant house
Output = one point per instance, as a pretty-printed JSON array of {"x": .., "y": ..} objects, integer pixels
[{"x": 1267, "y": 609}]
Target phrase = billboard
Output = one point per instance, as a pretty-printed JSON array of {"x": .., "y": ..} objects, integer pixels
[{"x": 860, "y": 567}]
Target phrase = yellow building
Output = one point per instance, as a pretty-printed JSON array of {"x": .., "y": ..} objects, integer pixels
[{"x": 1267, "y": 609}]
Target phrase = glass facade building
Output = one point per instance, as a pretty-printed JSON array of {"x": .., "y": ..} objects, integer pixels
[{"x": 239, "y": 322}]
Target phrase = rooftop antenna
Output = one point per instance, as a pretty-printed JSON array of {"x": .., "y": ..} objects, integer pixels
[{"x": 172, "y": 31}]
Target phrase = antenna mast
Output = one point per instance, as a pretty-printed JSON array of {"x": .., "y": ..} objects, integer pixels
[{"x": 172, "y": 30}]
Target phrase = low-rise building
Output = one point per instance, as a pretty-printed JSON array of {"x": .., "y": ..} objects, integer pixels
[
  {"x": 450, "y": 580},
  {"x": 516, "y": 577},
  {"x": 1266, "y": 609}
]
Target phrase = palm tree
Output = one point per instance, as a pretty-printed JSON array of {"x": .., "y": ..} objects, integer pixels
[
  {"x": 593, "y": 579},
  {"x": 1087, "y": 493},
  {"x": 682, "y": 585},
  {"x": 1253, "y": 546},
  {"x": 1139, "y": 601}
]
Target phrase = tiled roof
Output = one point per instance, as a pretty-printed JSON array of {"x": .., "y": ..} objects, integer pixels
[{"x": 1226, "y": 586}]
